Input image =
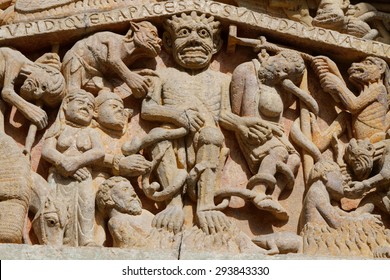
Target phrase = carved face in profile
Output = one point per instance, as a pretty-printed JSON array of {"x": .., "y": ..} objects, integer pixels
[
  {"x": 79, "y": 108},
  {"x": 146, "y": 37},
  {"x": 369, "y": 70},
  {"x": 125, "y": 198},
  {"x": 192, "y": 39},
  {"x": 111, "y": 114}
]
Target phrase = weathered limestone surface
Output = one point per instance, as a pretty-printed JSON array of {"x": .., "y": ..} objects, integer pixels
[{"x": 147, "y": 129}]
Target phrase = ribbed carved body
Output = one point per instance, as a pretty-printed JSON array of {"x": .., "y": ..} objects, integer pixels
[{"x": 15, "y": 188}]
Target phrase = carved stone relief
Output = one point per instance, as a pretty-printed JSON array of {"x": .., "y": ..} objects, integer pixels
[{"x": 200, "y": 126}]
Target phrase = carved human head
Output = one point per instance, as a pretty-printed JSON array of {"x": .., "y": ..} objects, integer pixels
[
  {"x": 78, "y": 107},
  {"x": 192, "y": 39},
  {"x": 43, "y": 80},
  {"x": 359, "y": 155},
  {"x": 110, "y": 111},
  {"x": 284, "y": 65},
  {"x": 118, "y": 193},
  {"x": 371, "y": 69},
  {"x": 145, "y": 36},
  {"x": 330, "y": 174}
]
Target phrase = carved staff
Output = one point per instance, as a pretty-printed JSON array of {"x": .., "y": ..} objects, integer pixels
[
  {"x": 258, "y": 44},
  {"x": 308, "y": 161}
]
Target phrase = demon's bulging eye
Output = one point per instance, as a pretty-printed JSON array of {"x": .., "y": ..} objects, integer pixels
[
  {"x": 183, "y": 32},
  {"x": 204, "y": 33}
]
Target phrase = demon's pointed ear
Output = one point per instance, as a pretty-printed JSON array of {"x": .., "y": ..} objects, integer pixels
[{"x": 134, "y": 26}]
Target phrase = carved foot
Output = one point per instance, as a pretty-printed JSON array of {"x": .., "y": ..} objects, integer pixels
[
  {"x": 286, "y": 171},
  {"x": 212, "y": 221},
  {"x": 272, "y": 206},
  {"x": 170, "y": 219}
]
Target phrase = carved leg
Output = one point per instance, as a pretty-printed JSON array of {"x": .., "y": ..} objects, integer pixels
[
  {"x": 322, "y": 138},
  {"x": 86, "y": 213},
  {"x": 172, "y": 217},
  {"x": 273, "y": 248},
  {"x": 73, "y": 79},
  {"x": 267, "y": 183},
  {"x": 210, "y": 142}
]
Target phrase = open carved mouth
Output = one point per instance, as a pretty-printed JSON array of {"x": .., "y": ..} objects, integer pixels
[
  {"x": 154, "y": 47},
  {"x": 29, "y": 85},
  {"x": 84, "y": 112},
  {"x": 356, "y": 70},
  {"x": 193, "y": 52}
]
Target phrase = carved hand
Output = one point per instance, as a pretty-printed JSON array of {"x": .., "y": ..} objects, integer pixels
[
  {"x": 81, "y": 174},
  {"x": 134, "y": 165},
  {"x": 68, "y": 165},
  {"x": 211, "y": 221},
  {"x": 330, "y": 83},
  {"x": 355, "y": 189},
  {"x": 255, "y": 130},
  {"x": 357, "y": 27},
  {"x": 195, "y": 119},
  {"x": 36, "y": 115},
  {"x": 322, "y": 64},
  {"x": 138, "y": 84}
]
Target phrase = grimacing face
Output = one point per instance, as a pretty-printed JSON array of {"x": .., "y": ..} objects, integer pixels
[
  {"x": 361, "y": 165},
  {"x": 364, "y": 72},
  {"x": 79, "y": 110},
  {"x": 193, "y": 45},
  {"x": 125, "y": 198},
  {"x": 112, "y": 115},
  {"x": 148, "y": 39}
]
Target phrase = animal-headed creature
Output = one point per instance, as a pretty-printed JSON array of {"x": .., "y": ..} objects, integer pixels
[{"x": 106, "y": 54}]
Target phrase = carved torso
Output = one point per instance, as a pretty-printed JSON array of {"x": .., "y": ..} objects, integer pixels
[
  {"x": 201, "y": 91},
  {"x": 74, "y": 141},
  {"x": 372, "y": 119}
]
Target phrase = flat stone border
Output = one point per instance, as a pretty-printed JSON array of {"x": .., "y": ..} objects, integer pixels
[
  {"x": 39, "y": 252},
  {"x": 60, "y": 30}
]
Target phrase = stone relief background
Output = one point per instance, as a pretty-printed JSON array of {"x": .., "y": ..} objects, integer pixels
[{"x": 157, "y": 107}]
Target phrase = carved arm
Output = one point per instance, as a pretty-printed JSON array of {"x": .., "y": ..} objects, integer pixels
[
  {"x": 138, "y": 84},
  {"x": 153, "y": 110}
]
